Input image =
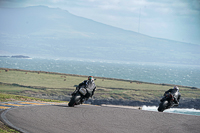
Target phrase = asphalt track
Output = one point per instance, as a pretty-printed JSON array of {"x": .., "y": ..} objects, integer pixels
[{"x": 97, "y": 119}]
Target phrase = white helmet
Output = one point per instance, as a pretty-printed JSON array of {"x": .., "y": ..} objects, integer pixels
[{"x": 176, "y": 87}]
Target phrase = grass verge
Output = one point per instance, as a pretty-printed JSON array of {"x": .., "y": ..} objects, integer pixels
[{"x": 33, "y": 83}]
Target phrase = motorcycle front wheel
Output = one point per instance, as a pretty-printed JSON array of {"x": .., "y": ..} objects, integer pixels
[
  {"x": 162, "y": 106},
  {"x": 75, "y": 100}
]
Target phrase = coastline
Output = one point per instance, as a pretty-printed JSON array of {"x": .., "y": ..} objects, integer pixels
[{"x": 184, "y": 102}]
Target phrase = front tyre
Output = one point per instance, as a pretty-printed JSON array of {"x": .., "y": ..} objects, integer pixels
[
  {"x": 162, "y": 106},
  {"x": 75, "y": 100}
]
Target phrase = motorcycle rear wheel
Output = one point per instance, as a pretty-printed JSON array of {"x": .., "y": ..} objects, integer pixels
[{"x": 162, "y": 106}]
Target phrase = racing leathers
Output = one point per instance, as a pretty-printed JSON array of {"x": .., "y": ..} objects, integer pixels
[
  {"x": 176, "y": 94},
  {"x": 90, "y": 85}
]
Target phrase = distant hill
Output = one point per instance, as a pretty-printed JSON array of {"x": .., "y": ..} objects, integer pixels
[{"x": 54, "y": 33}]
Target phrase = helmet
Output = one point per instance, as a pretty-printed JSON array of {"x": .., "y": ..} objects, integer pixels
[
  {"x": 176, "y": 87},
  {"x": 90, "y": 78}
]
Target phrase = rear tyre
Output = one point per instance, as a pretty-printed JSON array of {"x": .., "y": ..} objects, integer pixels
[{"x": 162, "y": 106}]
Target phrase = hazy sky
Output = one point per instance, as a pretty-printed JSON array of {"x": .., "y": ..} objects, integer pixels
[{"x": 170, "y": 19}]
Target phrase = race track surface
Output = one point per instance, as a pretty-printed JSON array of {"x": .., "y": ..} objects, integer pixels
[{"x": 98, "y": 119}]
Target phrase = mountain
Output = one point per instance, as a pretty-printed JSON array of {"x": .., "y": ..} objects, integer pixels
[{"x": 41, "y": 31}]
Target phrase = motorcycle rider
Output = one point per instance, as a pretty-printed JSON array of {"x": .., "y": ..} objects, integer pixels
[
  {"x": 90, "y": 85},
  {"x": 176, "y": 93}
]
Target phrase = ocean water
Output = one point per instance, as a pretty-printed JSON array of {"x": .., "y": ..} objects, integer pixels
[
  {"x": 174, "y": 110},
  {"x": 186, "y": 75}
]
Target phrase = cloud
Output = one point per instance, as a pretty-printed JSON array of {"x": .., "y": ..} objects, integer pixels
[
  {"x": 164, "y": 7},
  {"x": 157, "y": 18}
]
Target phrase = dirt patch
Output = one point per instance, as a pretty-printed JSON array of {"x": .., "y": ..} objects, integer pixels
[
  {"x": 10, "y": 99},
  {"x": 28, "y": 92},
  {"x": 6, "y": 128},
  {"x": 2, "y": 126}
]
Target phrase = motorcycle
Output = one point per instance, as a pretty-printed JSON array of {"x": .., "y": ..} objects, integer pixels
[
  {"x": 78, "y": 97},
  {"x": 166, "y": 102}
]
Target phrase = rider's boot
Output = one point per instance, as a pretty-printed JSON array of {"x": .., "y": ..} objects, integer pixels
[{"x": 176, "y": 103}]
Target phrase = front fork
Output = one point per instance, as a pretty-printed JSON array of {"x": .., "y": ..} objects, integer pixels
[{"x": 77, "y": 88}]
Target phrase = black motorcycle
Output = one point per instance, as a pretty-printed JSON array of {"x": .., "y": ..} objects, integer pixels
[
  {"x": 166, "y": 102},
  {"x": 78, "y": 97}
]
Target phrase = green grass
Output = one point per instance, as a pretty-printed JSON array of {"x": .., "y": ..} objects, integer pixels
[
  {"x": 10, "y": 97},
  {"x": 6, "y": 129},
  {"x": 25, "y": 82},
  {"x": 41, "y": 79}
]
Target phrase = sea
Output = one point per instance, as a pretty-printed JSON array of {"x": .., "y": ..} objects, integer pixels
[
  {"x": 184, "y": 111},
  {"x": 177, "y": 74}
]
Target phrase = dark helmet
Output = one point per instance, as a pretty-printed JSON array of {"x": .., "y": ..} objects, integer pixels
[
  {"x": 90, "y": 78},
  {"x": 176, "y": 87}
]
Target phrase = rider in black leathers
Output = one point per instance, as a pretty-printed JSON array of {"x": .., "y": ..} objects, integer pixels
[
  {"x": 176, "y": 93},
  {"x": 90, "y": 85}
]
